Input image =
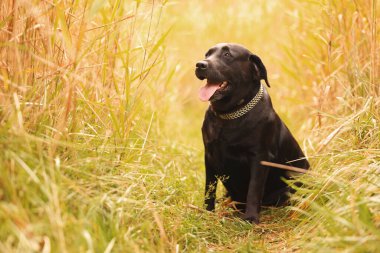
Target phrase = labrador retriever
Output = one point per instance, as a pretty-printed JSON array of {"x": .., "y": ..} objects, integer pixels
[{"x": 241, "y": 129}]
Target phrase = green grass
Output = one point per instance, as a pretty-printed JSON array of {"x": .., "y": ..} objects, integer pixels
[{"x": 100, "y": 144}]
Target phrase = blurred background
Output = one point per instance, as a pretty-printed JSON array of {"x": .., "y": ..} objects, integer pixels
[{"x": 100, "y": 141}]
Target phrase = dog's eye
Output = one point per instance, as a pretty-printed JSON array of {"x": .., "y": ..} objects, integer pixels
[{"x": 227, "y": 54}]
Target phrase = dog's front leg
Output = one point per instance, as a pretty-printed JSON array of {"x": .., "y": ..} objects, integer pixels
[
  {"x": 256, "y": 188},
  {"x": 211, "y": 183}
]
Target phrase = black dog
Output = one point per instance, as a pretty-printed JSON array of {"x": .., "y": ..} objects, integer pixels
[{"x": 241, "y": 129}]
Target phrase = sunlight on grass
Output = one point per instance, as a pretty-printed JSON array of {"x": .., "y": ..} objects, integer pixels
[{"x": 100, "y": 124}]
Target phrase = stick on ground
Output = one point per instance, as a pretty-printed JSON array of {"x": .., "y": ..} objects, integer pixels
[{"x": 284, "y": 167}]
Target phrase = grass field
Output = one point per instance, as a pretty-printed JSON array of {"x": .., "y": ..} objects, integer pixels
[{"x": 100, "y": 143}]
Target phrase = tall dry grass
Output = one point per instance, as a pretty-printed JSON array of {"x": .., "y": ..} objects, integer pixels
[
  {"x": 99, "y": 124},
  {"x": 75, "y": 128}
]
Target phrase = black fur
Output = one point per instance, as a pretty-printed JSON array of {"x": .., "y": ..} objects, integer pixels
[{"x": 234, "y": 148}]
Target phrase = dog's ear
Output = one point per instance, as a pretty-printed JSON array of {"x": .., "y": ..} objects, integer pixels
[{"x": 259, "y": 66}]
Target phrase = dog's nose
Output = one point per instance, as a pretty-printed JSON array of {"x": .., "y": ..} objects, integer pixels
[{"x": 201, "y": 65}]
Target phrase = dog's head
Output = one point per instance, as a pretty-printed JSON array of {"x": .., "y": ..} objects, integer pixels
[{"x": 231, "y": 71}]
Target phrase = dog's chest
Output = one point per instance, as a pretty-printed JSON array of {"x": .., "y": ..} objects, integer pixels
[
  {"x": 229, "y": 148},
  {"x": 239, "y": 134}
]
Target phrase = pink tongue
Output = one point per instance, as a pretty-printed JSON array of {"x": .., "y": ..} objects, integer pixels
[{"x": 207, "y": 91}]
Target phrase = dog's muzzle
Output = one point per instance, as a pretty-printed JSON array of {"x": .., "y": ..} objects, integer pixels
[{"x": 201, "y": 69}]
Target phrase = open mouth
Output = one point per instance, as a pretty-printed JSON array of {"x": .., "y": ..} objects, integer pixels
[{"x": 207, "y": 91}]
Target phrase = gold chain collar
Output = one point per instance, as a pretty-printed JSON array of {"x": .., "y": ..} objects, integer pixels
[{"x": 244, "y": 109}]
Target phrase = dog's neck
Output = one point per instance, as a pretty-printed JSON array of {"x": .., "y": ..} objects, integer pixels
[
  {"x": 239, "y": 104},
  {"x": 245, "y": 100}
]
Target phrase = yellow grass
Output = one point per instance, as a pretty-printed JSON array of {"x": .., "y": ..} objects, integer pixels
[{"x": 100, "y": 143}]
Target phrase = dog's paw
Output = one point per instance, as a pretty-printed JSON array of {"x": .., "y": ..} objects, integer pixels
[{"x": 250, "y": 218}]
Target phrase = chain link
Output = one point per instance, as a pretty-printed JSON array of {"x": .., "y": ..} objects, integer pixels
[{"x": 246, "y": 108}]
